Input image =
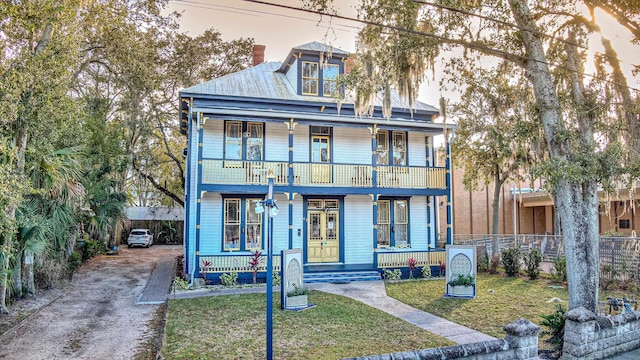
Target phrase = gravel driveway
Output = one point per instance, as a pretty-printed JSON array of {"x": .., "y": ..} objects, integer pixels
[{"x": 97, "y": 317}]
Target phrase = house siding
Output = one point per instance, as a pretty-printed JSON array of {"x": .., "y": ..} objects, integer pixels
[
  {"x": 301, "y": 143},
  {"x": 213, "y": 139},
  {"x": 276, "y": 142},
  {"x": 351, "y": 146},
  {"x": 416, "y": 149},
  {"x": 358, "y": 229},
  {"x": 298, "y": 223},
  {"x": 211, "y": 224},
  {"x": 418, "y": 222}
]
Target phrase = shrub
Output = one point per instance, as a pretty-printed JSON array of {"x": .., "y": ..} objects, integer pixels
[
  {"x": 412, "y": 265},
  {"x": 555, "y": 323},
  {"x": 483, "y": 262},
  {"x": 181, "y": 283},
  {"x": 426, "y": 271},
  {"x": 180, "y": 267},
  {"x": 92, "y": 248},
  {"x": 559, "y": 271},
  {"x": 229, "y": 279},
  {"x": 276, "y": 278},
  {"x": 495, "y": 262},
  {"x": 532, "y": 261},
  {"x": 511, "y": 261},
  {"x": 392, "y": 275},
  {"x": 73, "y": 262}
]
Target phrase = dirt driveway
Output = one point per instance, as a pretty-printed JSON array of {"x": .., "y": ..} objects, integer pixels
[{"x": 97, "y": 317}]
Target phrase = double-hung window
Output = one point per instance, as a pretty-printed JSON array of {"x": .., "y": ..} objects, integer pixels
[
  {"x": 244, "y": 141},
  {"x": 309, "y": 78},
  {"x": 330, "y": 80},
  {"x": 242, "y": 226},
  {"x": 393, "y": 223},
  {"x": 391, "y": 148}
]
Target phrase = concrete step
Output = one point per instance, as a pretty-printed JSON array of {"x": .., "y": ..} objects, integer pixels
[{"x": 341, "y": 277}]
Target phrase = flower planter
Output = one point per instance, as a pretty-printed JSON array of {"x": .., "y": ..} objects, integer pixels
[
  {"x": 295, "y": 302},
  {"x": 461, "y": 291}
]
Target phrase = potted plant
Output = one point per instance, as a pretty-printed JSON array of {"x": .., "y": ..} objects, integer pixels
[
  {"x": 462, "y": 285},
  {"x": 297, "y": 297}
]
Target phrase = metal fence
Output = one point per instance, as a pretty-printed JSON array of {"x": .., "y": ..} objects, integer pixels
[{"x": 619, "y": 256}]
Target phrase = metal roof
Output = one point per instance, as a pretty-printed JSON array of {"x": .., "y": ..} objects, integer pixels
[{"x": 265, "y": 81}]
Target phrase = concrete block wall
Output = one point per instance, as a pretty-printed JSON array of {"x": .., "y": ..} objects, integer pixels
[
  {"x": 588, "y": 336},
  {"x": 521, "y": 343}
]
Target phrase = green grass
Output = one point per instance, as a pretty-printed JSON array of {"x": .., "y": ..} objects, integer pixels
[
  {"x": 499, "y": 300},
  {"x": 233, "y": 327}
]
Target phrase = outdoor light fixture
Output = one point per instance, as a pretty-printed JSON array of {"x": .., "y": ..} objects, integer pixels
[
  {"x": 274, "y": 211},
  {"x": 259, "y": 208}
]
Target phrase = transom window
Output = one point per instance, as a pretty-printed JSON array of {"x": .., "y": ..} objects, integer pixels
[
  {"x": 330, "y": 80},
  {"x": 244, "y": 141},
  {"x": 397, "y": 142},
  {"x": 309, "y": 78},
  {"x": 393, "y": 223},
  {"x": 242, "y": 226}
]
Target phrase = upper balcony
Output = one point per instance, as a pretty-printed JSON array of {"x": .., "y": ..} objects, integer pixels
[{"x": 221, "y": 172}]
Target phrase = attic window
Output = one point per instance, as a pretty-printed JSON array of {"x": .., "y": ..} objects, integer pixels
[
  {"x": 309, "y": 78},
  {"x": 330, "y": 80}
]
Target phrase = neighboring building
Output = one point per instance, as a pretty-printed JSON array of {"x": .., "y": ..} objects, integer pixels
[
  {"x": 353, "y": 192},
  {"x": 530, "y": 208},
  {"x": 166, "y": 223}
]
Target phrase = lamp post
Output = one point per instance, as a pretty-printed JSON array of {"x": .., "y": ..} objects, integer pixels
[{"x": 272, "y": 211}]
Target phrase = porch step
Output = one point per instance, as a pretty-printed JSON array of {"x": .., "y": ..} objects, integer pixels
[{"x": 341, "y": 277}]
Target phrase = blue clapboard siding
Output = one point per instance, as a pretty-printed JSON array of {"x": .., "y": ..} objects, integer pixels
[
  {"x": 418, "y": 222},
  {"x": 351, "y": 146},
  {"x": 211, "y": 224},
  {"x": 298, "y": 223},
  {"x": 280, "y": 225},
  {"x": 301, "y": 143},
  {"x": 358, "y": 228},
  {"x": 213, "y": 139},
  {"x": 276, "y": 142},
  {"x": 417, "y": 149}
]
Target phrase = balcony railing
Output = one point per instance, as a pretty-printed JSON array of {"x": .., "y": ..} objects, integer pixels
[{"x": 313, "y": 174}]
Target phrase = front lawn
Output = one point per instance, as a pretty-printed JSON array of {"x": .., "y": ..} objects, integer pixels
[
  {"x": 499, "y": 300},
  {"x": 233, "y": 327}
]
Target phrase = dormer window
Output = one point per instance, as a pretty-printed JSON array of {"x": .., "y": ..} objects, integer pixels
[
  {"x": 330, "y": 80},
  {"x": 309, "y": 78}
]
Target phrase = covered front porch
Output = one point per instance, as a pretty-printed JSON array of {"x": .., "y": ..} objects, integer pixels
[{"x": 212, "y": 266}]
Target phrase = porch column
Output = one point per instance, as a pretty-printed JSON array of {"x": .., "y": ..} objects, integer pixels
[
  {"x": 201, "y": 121},
  {"x": 186, "y": 233},
  {"x": 427, "y": 160},
  {"x": 290, "y": 125},
  {"x": 374, "y": 196},
  {"x": 449, "y": 190}
]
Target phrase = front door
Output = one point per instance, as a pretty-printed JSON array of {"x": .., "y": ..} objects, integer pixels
[{"x": 323, "y": 242}]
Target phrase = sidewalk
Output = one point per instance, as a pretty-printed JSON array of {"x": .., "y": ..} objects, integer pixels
[{"x": 374, "y": 294}]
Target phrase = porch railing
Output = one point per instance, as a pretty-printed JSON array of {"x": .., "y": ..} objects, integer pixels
[
  {"x": 317, "y": 174},
  {"x": 233, "y": 263},
  {"x": 395, "y": 259}
]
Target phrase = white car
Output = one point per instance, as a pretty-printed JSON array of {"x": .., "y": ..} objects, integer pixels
[{"x": 142, "y": 237}]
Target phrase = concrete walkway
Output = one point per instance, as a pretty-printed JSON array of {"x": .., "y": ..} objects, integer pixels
[
  {"x": 374, "y": 294},
  {"x": 155, "y": 292}
]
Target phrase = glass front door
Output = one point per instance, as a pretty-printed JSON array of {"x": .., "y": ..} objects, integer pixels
[{"x": 323, "y": 242}]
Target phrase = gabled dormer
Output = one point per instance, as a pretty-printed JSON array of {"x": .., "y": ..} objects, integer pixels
[{"x": 313, "y": 69}]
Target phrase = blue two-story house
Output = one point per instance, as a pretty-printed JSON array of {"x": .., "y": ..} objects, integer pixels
[{"x": 354, "y": 192}]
